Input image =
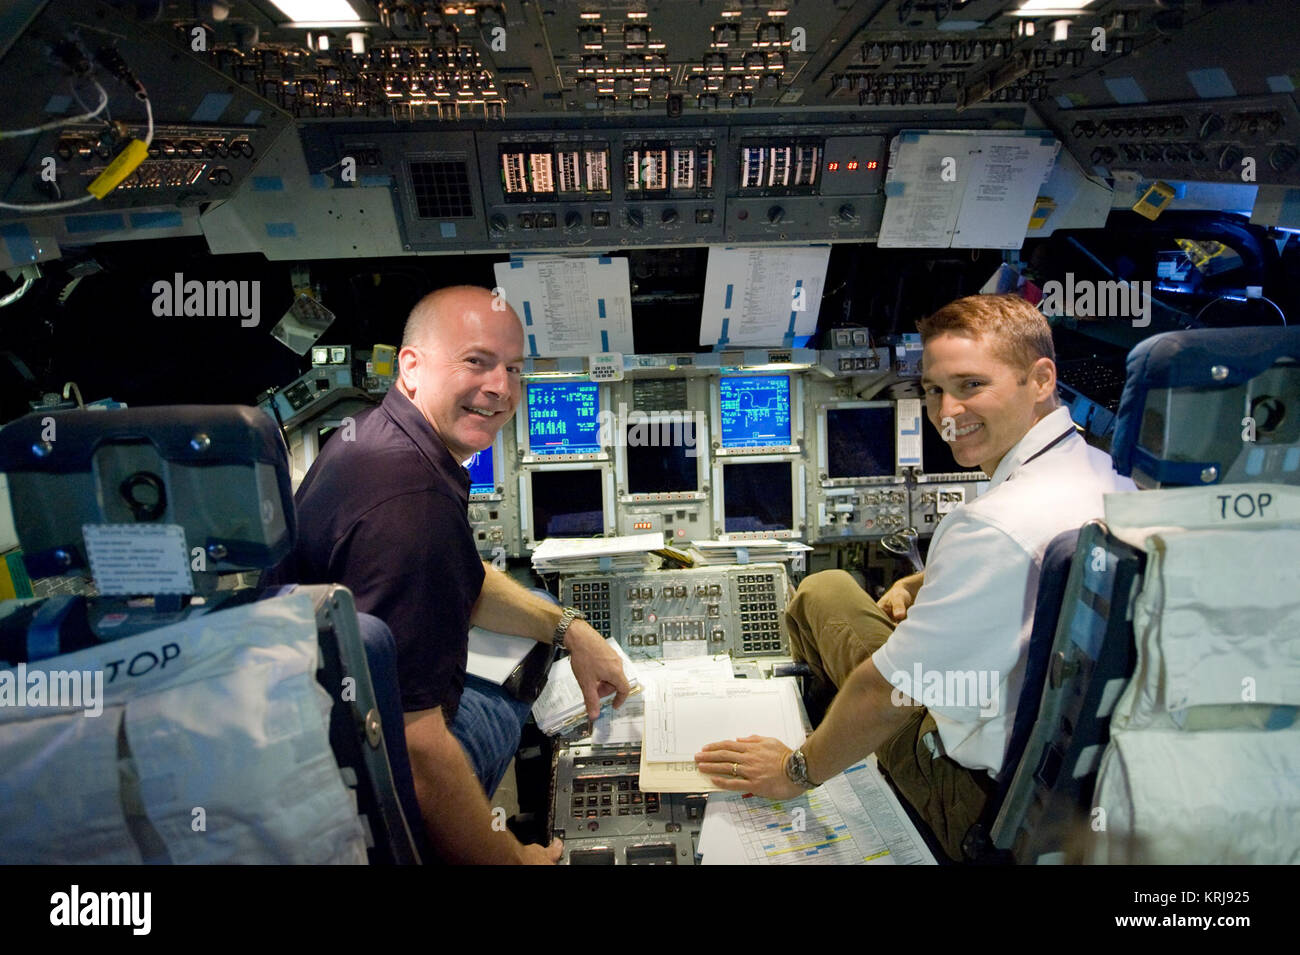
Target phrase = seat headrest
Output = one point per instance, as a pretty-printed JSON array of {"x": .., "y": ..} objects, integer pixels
[
  {"x": 1206, "y": 406},
  {"x": 219, "y": 472}
]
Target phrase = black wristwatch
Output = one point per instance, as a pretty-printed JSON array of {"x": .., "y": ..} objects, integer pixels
[
  {"x": 562, "y": 628},
  {"x": 796, "y": 769}
]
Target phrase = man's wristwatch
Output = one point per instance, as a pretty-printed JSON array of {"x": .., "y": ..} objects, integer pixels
[
  {"x": 562, "y": 628},
  {"x": 796, "y": 770}
]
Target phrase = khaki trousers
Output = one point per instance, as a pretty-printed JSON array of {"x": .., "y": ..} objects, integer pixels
[{"x": 834, "y": 626}]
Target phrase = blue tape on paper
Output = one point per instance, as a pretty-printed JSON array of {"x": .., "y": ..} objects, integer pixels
[
  {"x": 604, "y": 340},
  {"x": 211, "y": 107},
  {"x": 600, "y": 307},
  {"x": 722, "y": 335},
  {"x": 281, "y": 230},
  {"x": 788, "y": 338},
  {"x": 801, "y": 341},
  {"x": 99, "y": 222},
  {"x": 910, "y": 136},
  {"x": 1125, "y": 89},
  {"x": 605, "y": 260},
  {"x": 155, "y": 220},
  {"x": 19, "y": 242},
  {"x": 268, "y": 184},
  {"x": 1211, "y": 83},
  {"x": 742, "y": 555},
  {"x": 605, "y": 564},
  {"x": 893, "y": 189},
  {"x": 528, "y": 313},
  {"x": 532, "y": 346},
  {"x": 516, "y": 263},
  {"x": 447, "y": 230},
  {"x": 727, "y": 301}
]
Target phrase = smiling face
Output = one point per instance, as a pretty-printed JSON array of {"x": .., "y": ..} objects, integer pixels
[
  {"x": 460, "y": 365},
  {"x": 991, "y": 404}
]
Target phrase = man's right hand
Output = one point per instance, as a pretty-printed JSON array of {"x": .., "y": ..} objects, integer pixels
[
  {"x": 534, "y": 854},
  {"x": 895, "y": 601}
]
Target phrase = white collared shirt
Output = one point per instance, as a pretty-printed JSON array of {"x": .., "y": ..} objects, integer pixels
[{"x": 961, "y": 650}]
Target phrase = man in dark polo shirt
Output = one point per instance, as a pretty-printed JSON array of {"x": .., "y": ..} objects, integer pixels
[{"x": 384, "y": 512}]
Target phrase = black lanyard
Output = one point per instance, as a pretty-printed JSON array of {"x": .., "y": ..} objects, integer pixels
[{"x": 1047, "y": 447}]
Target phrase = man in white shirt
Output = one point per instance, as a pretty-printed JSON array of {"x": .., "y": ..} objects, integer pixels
[{"x": 929, "y": 678}]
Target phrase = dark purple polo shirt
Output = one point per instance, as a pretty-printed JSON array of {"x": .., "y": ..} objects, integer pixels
[{"x": 387, "y": 516}]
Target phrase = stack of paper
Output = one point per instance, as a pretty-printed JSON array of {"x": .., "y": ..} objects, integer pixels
[
  {"x": 561, "y": 705},
  {"x": 680, "y": 718},
  {"x": 751, "y": 552},
  {"x": 576, "y": 555},
  {"x": 627, "y": 724}
]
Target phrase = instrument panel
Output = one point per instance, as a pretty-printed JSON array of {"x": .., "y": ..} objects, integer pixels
[
  {"x": 572, "y": 186},
  {"x": 807, "y": 448},
  {"x": 667, "y": 614},
  {"x": 599, "y": 810},
  {"x": 705, "y": 452}
]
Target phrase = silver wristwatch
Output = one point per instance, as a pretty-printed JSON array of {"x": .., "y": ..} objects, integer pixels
[
  {"x": 796, "y": 770},
  {"x": 562, "y": 628}
]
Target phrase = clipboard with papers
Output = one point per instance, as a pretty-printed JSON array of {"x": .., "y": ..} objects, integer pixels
[
  {"x": 682, "y": 717},
  {"x": 678, "y": 706}
]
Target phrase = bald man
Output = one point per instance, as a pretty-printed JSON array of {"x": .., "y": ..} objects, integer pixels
[{"x": 386, "y": 514}]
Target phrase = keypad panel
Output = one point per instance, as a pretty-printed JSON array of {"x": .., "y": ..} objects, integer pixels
[{"x": 737, "y": 610}]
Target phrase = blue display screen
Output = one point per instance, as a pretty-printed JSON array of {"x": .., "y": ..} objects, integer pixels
[
  {"x": 755, "y": 411},
  {"x": 563, "y": 418},
  {"x": 481, "y": 478}
]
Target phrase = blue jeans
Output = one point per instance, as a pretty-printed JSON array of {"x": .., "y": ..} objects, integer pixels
[{"x": 488, "y": 725}]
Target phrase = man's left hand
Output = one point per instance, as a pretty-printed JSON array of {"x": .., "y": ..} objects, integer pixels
[
  {"x": 596, "y": 667},
  {"x": 755, "y": 764}
]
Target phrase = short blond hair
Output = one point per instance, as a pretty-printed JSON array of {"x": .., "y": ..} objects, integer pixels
[{"x": 1017, "y": 331}]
